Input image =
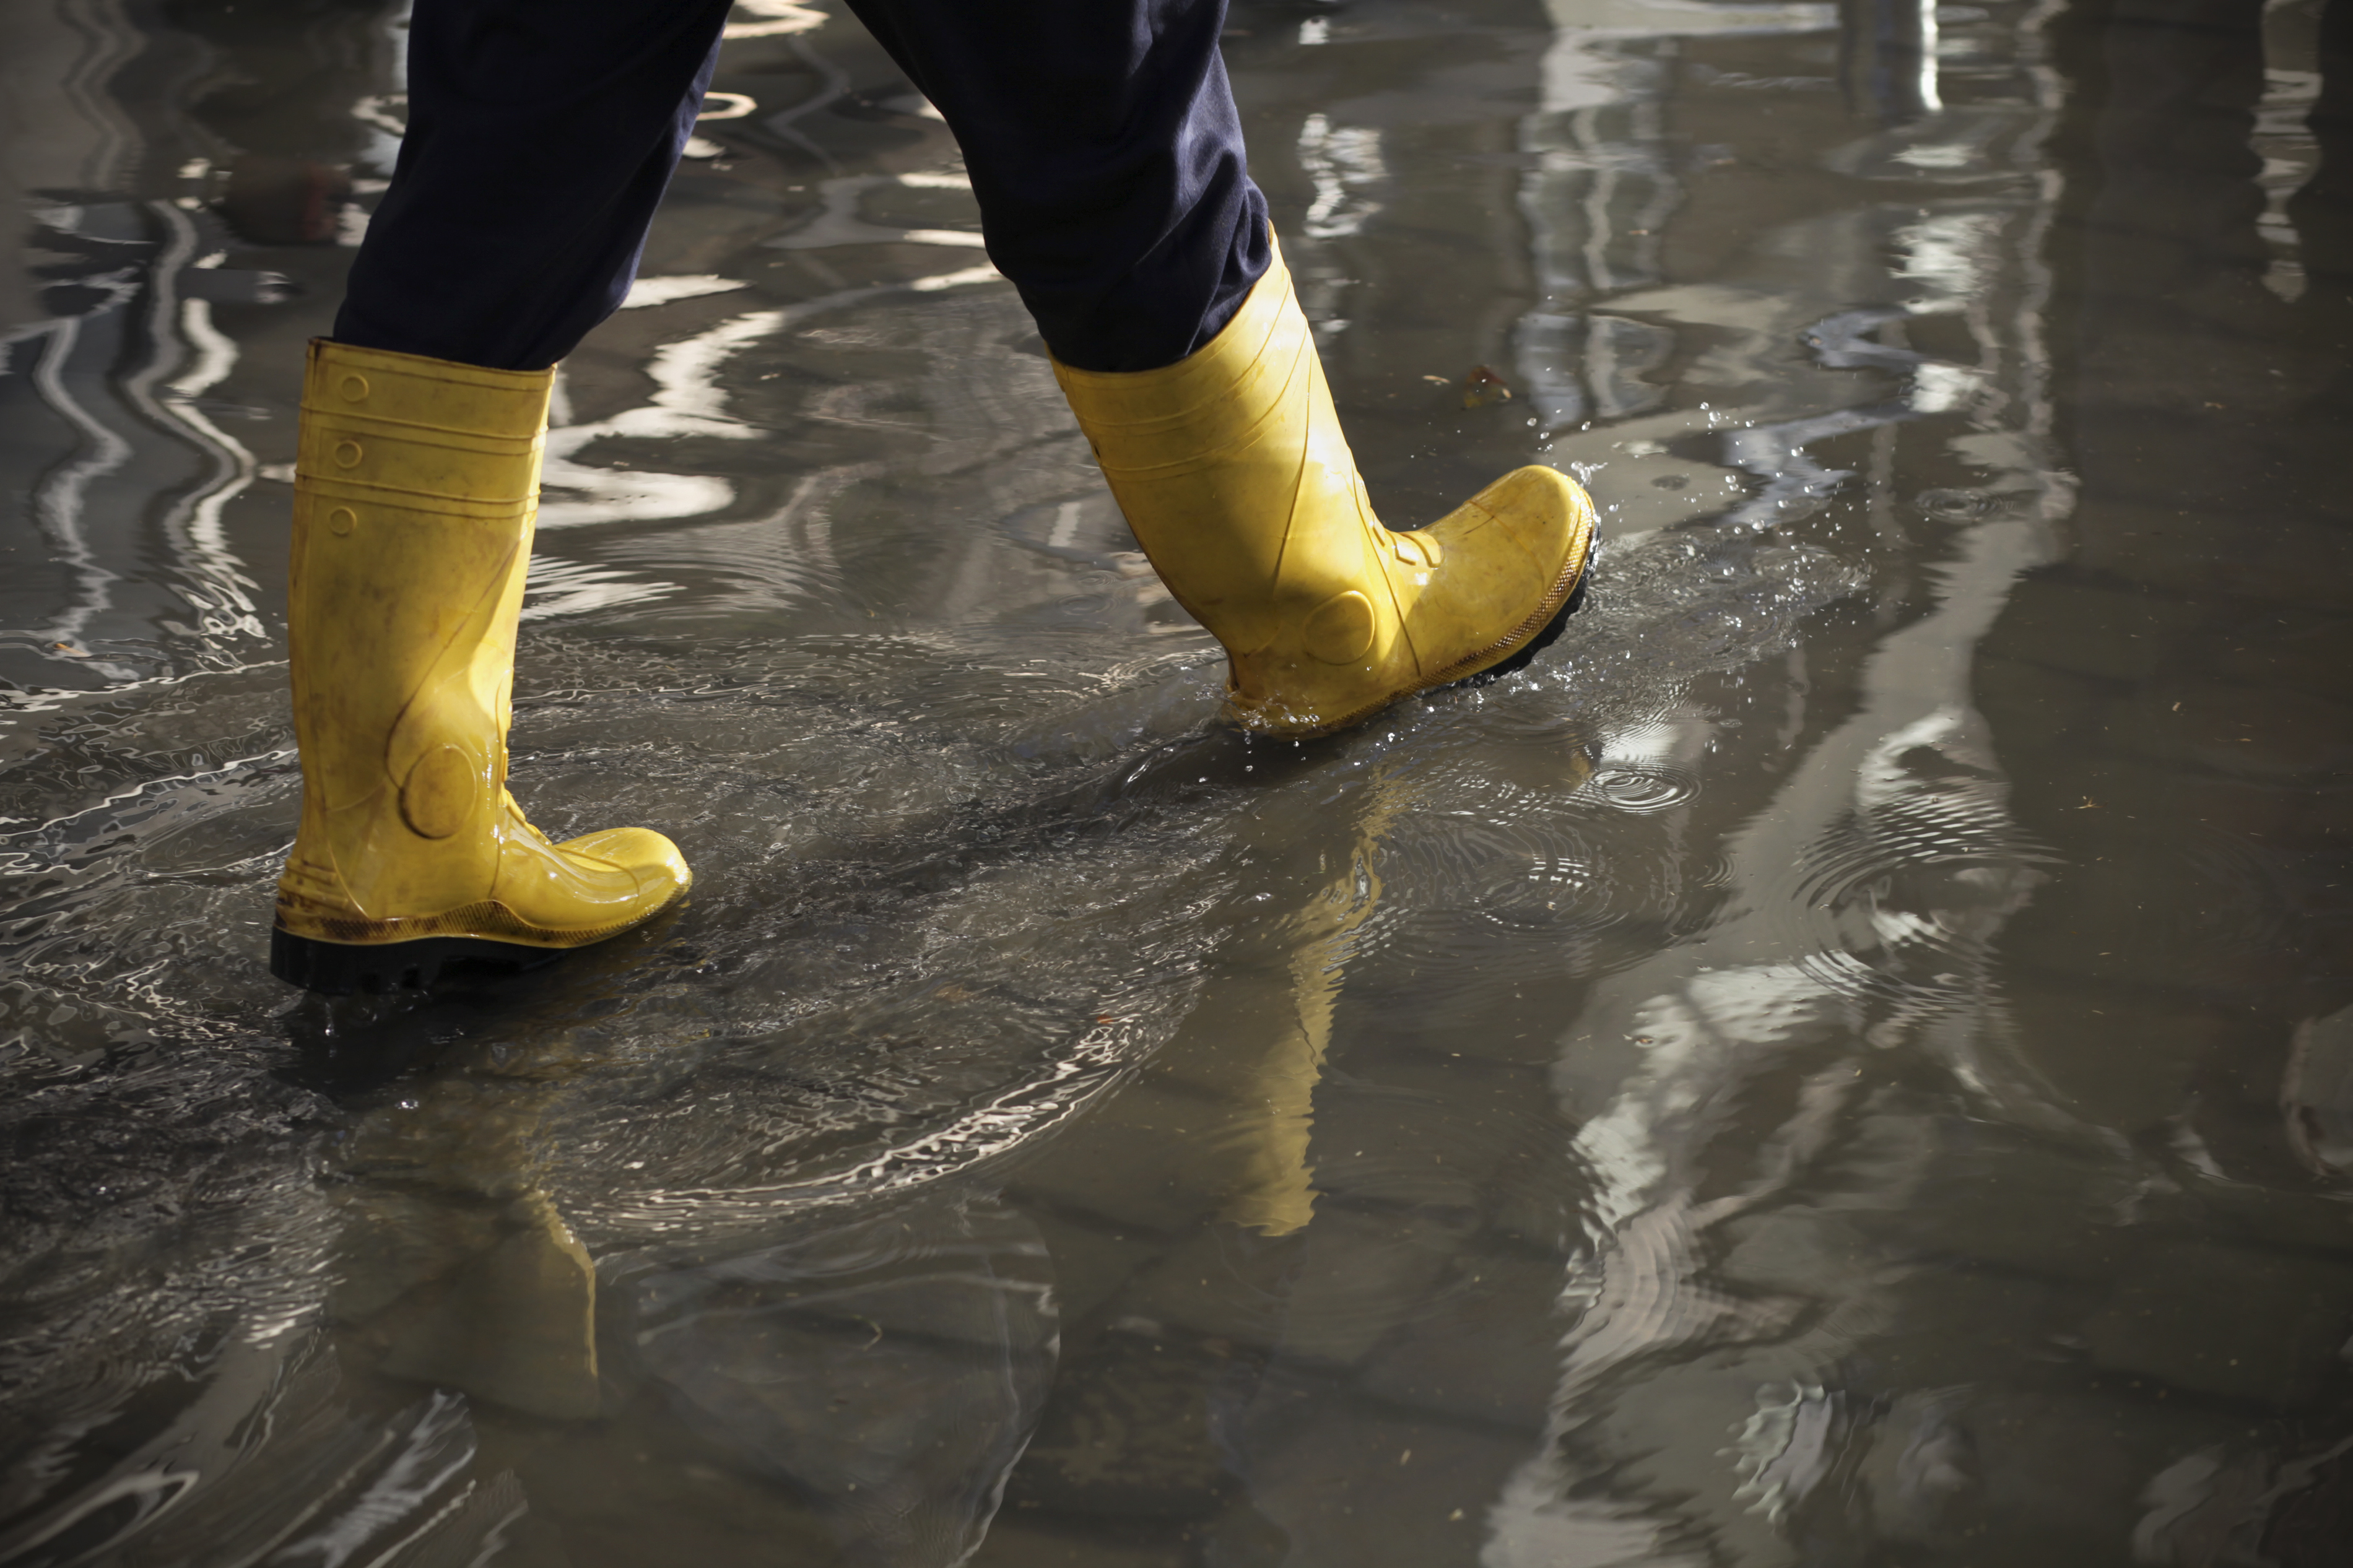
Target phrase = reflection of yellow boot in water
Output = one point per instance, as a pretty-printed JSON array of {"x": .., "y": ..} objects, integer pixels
[
  {"x": 1274, "y": 1193},
  {"x": 1231, "y": 468},
  {"x": 1274, "y": 1190},
  {"x": 455, "y": 1266},
  {"x": 512, "y": 1321},
  {"x": 415, "y": 493}
]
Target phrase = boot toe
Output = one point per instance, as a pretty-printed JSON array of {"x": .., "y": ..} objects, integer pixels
[
  {"x": 660, "y": 870},
  {"x": 1514, "y": 555},
  {"x": 1541, "y": 509}
]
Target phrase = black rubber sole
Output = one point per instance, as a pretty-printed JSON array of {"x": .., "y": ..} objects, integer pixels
[
  {"x": 339, "y": 968},
  {"x": 1541, "y": 641}
]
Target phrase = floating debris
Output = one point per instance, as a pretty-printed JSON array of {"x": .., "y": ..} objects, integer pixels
[{"x": 1483, "y": 386}]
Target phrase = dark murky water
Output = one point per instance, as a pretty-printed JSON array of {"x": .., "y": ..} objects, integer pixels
[{"x": 1847, "y": 1060}]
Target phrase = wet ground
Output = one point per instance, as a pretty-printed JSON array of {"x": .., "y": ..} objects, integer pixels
[{"x": 1847, "y": 1060}]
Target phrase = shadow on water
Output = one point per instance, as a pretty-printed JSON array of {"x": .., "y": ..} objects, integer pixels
[{"x": 1848, "y": 1058}]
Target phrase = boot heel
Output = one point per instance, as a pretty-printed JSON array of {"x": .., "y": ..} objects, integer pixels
[{"x": 338, "y": 968}]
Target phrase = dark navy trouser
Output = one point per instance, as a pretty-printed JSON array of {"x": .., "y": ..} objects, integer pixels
[{"x": 1101, "y": 136}]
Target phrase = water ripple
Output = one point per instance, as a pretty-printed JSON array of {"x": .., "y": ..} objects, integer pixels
[{"x": 1645, "y": 789}]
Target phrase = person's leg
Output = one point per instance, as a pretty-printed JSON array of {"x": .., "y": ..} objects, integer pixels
[
  {"x": 1107, "y": 157},
  {"x": 1106, "y": 154},
  {"x": 541, "y": 135}
]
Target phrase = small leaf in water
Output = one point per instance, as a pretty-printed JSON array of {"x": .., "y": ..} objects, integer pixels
[{"x": 1483, "y": 386}]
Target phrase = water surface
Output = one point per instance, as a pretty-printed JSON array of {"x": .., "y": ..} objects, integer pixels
[{"x": 1847, "y": 1059}]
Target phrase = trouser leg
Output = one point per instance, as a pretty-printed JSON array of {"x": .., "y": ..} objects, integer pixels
[
  {"x": 1106, "y": 154},
  {"x": 1101, "y": 136},
  {"x": 541, "y": 136}
]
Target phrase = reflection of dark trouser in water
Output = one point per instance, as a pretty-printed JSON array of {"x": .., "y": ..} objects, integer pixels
[
  {"x": 1100, "y": 137},
  {"x": 1106, "y": 154}
]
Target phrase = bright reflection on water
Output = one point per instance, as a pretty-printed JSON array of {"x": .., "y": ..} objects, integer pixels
[{"x": 1847, "y": 1060}]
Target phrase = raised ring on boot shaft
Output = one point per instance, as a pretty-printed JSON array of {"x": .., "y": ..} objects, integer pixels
[{"x": 375, "y": 422}]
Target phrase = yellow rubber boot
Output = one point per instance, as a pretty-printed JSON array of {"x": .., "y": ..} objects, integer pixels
[
  {"x": 1231, "y": 468},
  {"x": 416, "y": 486}
]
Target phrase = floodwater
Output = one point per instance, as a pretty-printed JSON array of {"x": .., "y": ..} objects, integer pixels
[{"x": 1846, "y": 1060}]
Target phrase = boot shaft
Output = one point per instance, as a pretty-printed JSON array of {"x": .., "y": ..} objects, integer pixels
[
  {"x": 1232, "y": 469},
  {"x": 415, "y": 488}
]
